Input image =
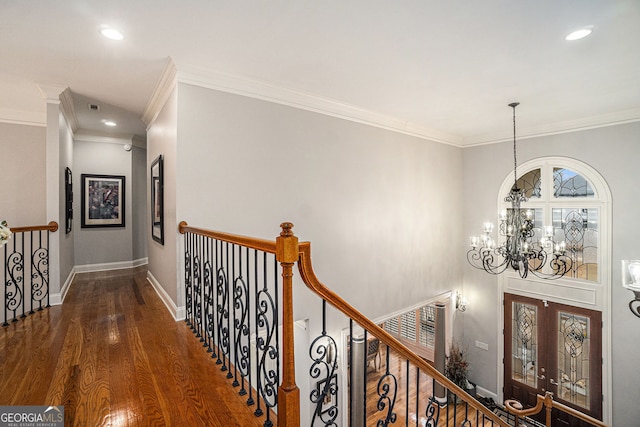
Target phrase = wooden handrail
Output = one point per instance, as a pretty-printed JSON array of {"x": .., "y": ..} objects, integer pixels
[
  {"x": 547, "y": 401},
  {"x": 310, "y": 279},
  {"x": 282, "y": 248},
  {"x": 250, "y": 242},
  {"x": 52, "y": 226}
]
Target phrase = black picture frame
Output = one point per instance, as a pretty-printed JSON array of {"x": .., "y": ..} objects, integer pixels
[
  {"x": 157, "y": 200},
  {"x": 68, "y": 200},
  {"x": 103, "y": 201}
]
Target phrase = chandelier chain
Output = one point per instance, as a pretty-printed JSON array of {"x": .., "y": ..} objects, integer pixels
[{"x": 515, "y": 159}]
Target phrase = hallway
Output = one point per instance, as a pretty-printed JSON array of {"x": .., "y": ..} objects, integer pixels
[{"x": 113, "y": 356}]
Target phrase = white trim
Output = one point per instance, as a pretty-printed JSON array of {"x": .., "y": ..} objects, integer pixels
[
  {"x": 82, "y": 136},
  {"x": 68, "y": 109},
  {"x": 64, "y": 290},
  {"x": 23, "y": 118},
  {"x": 266, "y": 91},
  {"x": 271, "y": 92},
  {"x": 486, "y": 393},
  {"x": 165, "y": 85},
  {"x": 88, "y": 268},
  {"x": 178, "y": 313},
  {"x": 591, "y": 295}
]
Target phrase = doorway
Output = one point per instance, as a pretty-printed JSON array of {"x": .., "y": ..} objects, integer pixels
[{"x": 553, "y": 347}]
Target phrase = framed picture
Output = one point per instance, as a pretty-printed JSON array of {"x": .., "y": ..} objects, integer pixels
[
  {"x": 103, "y": 201},
  {"x": 68, "y": 200},
  {"x": 157, "y": 200}
]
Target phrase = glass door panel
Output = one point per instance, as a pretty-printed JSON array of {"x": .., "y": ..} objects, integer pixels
[
  {"x": 573, "y": 359},
  {"x": 524, "y": 346}
]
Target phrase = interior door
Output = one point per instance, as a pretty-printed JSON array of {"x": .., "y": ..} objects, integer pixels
[{"x": 555, "y": 347}]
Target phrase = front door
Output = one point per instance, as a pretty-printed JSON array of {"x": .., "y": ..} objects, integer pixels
[{"x": 554, "y": 347}]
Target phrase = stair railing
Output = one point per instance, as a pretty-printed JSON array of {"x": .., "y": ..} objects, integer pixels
[
  {"x": 236, "y": 295},
  {"x": 26, "y": 271},
  {"x": 547, "y": 402}
]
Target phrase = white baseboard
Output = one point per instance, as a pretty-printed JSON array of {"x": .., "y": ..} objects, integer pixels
[
  {"x": 178, "y": 313},
  {"x": 89, "y": 268},
  {"x": 486, "y": 393},
  {"x": 58, "y": 299}
]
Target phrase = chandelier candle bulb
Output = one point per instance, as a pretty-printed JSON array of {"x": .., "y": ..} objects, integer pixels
[
  {"x": 548, "y": 230},
  {"x": 488, "y": 227},
  {"x": 475, "y": 240},
  {"x": 503, "y": 215},
  {"x": 634, "y": 271}
]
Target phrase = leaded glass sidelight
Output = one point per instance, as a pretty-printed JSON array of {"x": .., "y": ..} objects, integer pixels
[
  {"x": 578, "y": 227},
  {"x": 524, "y": 345},
  {"x": 567, "y": 183},
  {"x": 573, "y": 359}
]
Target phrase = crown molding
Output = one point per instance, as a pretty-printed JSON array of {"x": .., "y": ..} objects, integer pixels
[
  {"x": 51, "y": 93},
  {"x": 68, "y": 109},
  {"x": 587, "y": 123},
  {"x": 84, "y": 136},
  {"x": 269, "y": 92},
  {"x": 166, "y": 83},
  {"x": 24, "y": 118}
]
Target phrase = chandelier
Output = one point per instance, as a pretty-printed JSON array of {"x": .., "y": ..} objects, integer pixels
[{"x": 544, "y": 258}]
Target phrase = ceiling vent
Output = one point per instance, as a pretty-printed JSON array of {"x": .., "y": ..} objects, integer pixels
[{"x": 94, "y": 107}]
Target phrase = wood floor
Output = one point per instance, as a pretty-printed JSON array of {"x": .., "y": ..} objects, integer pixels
[
  {"x": 416, "y": 413},
  {"x": 113, "y": 356}
]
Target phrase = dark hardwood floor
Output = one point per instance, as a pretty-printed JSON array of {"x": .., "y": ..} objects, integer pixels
[{"x": 113, "y": 356}]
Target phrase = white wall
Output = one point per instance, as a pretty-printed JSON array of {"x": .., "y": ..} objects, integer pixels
[
  {"x": 614, "y": 153},
  {"x": 22, "y": 178}
]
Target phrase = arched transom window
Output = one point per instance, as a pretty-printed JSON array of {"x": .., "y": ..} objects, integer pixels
[{"x": 570, "y": 196}]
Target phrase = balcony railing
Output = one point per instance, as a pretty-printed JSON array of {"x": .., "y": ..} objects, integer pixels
[
  {"x": 26, "y": 271},
  {"x": 239, "y": 303}
]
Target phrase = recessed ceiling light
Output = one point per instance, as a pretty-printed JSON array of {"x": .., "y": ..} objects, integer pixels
[
  {"x": 579, "y": 33},
  {"x": 111, "y": 33},
  {"x": 109, "y": 123}
]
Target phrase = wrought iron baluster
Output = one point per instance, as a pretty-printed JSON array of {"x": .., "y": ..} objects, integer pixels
[
  {"x": 39, "y": 273},
  {"x": 14, "y": 285},
  {"x": 324, "y": 370},
  {"x": 223, "y": 313},
  {"x": 187, "y": 277},
  {"x": 387, "y": 393},
  {"x": 241, "y": 312}
]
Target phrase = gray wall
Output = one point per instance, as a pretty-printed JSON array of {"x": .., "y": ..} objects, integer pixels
[
  {"x": 614, "y": 153},
  {"x": 139, "y": 216},
  {"x": 102, "y": 245},
  {"x": 66, "y": 251},
  {"x": 376, "y": 205},
  {"x": 161, "y": 139},
  {"x": 22, "y": 178}
]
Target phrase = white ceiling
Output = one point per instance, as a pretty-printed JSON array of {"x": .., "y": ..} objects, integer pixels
[{"x": 445, "y": 70}]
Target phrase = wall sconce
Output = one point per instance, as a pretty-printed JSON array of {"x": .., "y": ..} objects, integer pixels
[
  {"x": 631, "y": 281},
  {"x": 461, "y": 303}
]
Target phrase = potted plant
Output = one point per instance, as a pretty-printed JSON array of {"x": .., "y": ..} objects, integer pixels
[{"x": 457, "y": 368}]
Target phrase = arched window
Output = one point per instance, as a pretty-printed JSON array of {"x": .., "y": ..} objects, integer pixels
[{"x": 573, "y": 198}]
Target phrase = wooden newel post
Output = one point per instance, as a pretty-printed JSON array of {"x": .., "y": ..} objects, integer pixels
[{"x": 288, "y": 392}]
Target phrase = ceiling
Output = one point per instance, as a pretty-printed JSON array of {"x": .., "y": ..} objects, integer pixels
[{"x": 443, "y": 70}]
